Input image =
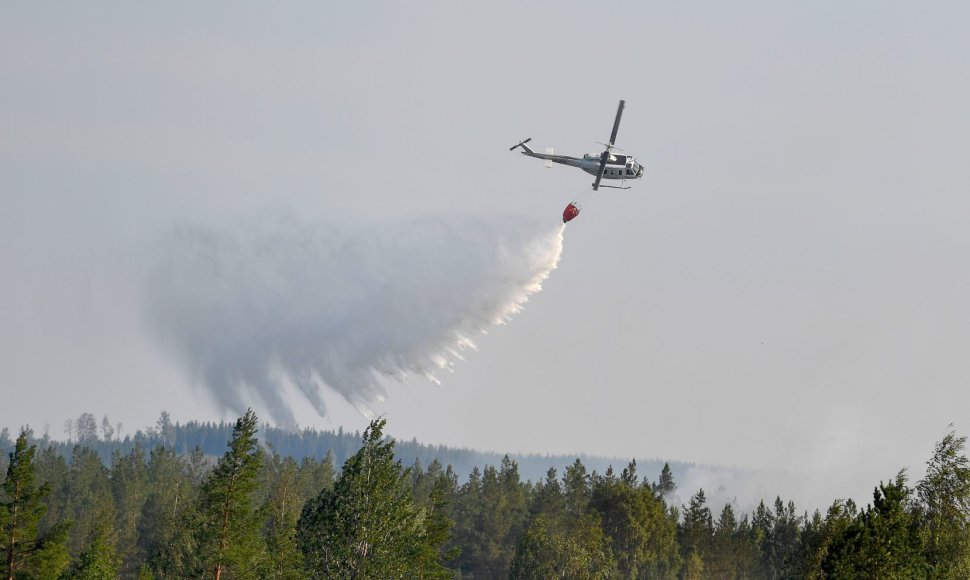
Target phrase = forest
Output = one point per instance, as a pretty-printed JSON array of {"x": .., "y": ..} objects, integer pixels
[{"x": 166, "y": 507}]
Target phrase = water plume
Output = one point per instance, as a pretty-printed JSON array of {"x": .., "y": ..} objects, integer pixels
[{"x": 249, "y": 308}]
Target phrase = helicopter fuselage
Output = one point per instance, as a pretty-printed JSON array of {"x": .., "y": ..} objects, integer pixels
[{"x": 617, "y": 166}]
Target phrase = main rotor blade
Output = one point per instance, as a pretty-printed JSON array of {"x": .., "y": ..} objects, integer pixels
[
  {"x": 599, "y": 174},
  {"x": 616, "y": 123}
]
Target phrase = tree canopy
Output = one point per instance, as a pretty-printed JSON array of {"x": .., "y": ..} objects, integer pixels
[{"x": 172, "y": 510}]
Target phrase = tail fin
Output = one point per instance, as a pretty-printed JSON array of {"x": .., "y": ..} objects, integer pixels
[{"x": 523, "y": 145}]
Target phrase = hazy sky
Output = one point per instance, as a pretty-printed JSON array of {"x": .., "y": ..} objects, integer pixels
[{"x": 787, "y": 286}]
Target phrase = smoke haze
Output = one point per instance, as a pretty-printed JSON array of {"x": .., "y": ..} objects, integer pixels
[{"x": 253, "y": 309}]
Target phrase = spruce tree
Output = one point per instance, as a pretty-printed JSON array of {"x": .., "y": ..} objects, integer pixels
[
  {"x": 547, "y": 497},
  {"x": 665, "y": 486},
  {"x": 696, "y": 531},
  {"x": 724, "y": 557},
  {"x": 576, "y": 482},
  {"x": 468, "y": 516}
]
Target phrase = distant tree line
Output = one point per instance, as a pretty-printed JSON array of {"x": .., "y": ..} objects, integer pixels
[
  {"x": 210, "y": 437},
  {"x": 253, "y": 512}
]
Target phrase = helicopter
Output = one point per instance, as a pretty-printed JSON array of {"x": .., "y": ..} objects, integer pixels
[{"x": 607, "y": 165}]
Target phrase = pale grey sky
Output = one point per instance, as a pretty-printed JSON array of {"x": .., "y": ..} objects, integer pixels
[{"x": 786, "y": 287}]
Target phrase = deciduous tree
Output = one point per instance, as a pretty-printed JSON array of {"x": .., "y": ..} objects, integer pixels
[{"x": 366, "y": 526}]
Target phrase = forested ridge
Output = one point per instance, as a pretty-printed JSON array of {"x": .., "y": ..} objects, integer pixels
[
  {"x": 156, "y": 506},
  {"x": 105, "y": 437}
]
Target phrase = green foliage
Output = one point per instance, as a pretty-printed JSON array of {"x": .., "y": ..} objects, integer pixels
[
  {"x": 665, "y": 485},
  {"x": 51, "y": 557},
  {"x": 282, "y": 508},
  {"x": 129, "y": 488},
  {"x": 641, "y": 532},
  {"x": 883, "y": 540},
  {"x": 228, "y": 538},
  {"x": 547, "y": 550},
  {"x": 179, "y": 513},
  {"x": 100, "y": 561},
  {"x": 367, "y": 525},
  {"x": 53, "y": 471},
  {"x": 725, "y": 548},
  {"x": 25, "y": 551},
  {"x": 163, "y": 537},
  {"x": 696, "y": 532},
  {"x": 89, "y": 502},
  {"x": 491, "y": 513},
  {"x": 430, "y": 554},
  {"x": 576, "y": 492},
  {"x": 945, "y": 494}
]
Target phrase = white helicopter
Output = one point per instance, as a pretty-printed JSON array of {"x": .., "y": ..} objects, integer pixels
[{"x": 606, "y": 165}]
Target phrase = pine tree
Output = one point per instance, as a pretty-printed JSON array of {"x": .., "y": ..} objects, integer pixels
[
  {"x": 228, "y": 533},
  {"x": 21, "y": 509}
]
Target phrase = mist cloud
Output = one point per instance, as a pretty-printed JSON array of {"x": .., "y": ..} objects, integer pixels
[{"x": 249, "y": 308}]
